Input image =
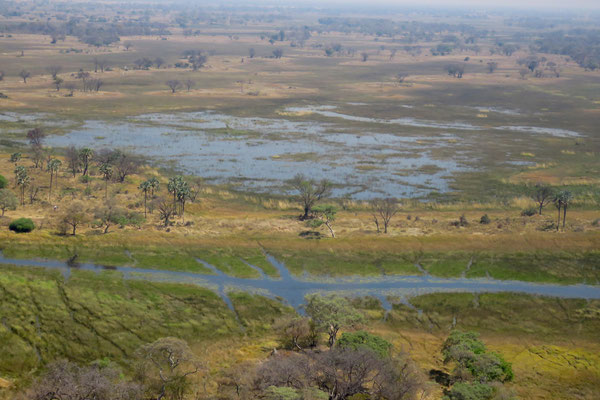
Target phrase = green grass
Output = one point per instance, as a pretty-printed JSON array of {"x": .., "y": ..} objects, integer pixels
[
  {"x": 501, "y": 314},
  {"x": 257, "y": 313},
  {"x": 334, "y": 259},
  {"x": 98, "y": 315},
  {"x": 551, "y": 267},
  {"x": 319, "y": 262},
  {"x": 163, "y": 256}
]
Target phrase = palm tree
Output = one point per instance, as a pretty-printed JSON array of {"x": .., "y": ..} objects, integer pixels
[
  {"x": 20, "y": 170},
  {"x": 23, "y": 180},
  {"x": 174, "y": 187},
  {"x": 566, "y": 198},
  {"x": 562, "y": 201},
  {"x": 53, "y": 167},
  {"x": 558, "y": 205},
  {"x": 145, "y": 187},
  {"x": 183, "y": 194},
  {"x": 106, "y": 170},
  {"x": 154, "y": 185}
]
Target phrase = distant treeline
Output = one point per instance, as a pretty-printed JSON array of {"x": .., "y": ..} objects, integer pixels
[
  {"x": 583, "y": 46},
  {"x": 386, "y": 27},
  {"x": 93, "y": 33}
]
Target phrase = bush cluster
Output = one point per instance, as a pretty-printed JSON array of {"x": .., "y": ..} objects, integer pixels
[{"x": 22, "y": 225}]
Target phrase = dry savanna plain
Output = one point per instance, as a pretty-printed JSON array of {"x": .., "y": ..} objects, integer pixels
[{"x": 193, "y": 172}]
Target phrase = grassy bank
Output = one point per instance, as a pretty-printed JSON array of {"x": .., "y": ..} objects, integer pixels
[
  {"x": 567, "y": 258},
  {"x": 552, "y": 343}
]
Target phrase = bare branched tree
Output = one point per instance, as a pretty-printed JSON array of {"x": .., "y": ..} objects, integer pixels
[
  {"x": 67, "y": 380},
  {"x": 384, "y": 210},
  {"x": 173, "y": 84},
  {"x": 189, "y": 84},
  {"x": 165, "y": 365},
  {"x": 54, "y": 70}
]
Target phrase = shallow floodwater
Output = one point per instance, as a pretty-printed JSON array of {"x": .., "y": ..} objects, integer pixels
[
  {"x": 402, "y": 157},
  {"x": 262, "y": 153},
  {"x": 293, "y": 290}
]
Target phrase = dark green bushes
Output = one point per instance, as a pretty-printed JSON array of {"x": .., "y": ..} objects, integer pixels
[{"x": 22, "y": 225}]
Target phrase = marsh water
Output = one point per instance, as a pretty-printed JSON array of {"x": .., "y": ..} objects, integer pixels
[
  {"x": 292, "y": 290},
  {"x": 366, "y": 157}
]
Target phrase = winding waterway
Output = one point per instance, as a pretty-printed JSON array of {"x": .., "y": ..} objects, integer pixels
[{"x": 293, "y": 290}]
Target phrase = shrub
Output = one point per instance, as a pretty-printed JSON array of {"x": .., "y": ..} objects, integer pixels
[
  {"x": 548, "y": 227},
  {"x": 470, "y": 391},
  {"x": 22, "y": 225},
  {"x": 485, "y": 219},
  {"x": 362, "y": 339},
  {"x": 3, "y": 182},
  {"x": 596, "y": 222},
  {"x": 529, "y": 212},
  {"x": 462, "y": 221}
]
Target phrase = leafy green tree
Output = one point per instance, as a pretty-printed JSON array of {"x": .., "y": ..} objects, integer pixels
[
  {"x": 542, "y": 195},
  {"x": 3, "y": 182},
  {"x": 75, "y": 215},
  {"x": 473, "y": 361},
  {"x": 361, "y": 339},
  {"x": 8, "y": 200},
  {"x": 310, "y": 192},
  {"x": 53, "y": 167},
  {"x": 109, "y": 214},
  {"x": 325, "y": 216},
  {"x": 294, "y": 329},
  {"x": 331, "y": 313}
]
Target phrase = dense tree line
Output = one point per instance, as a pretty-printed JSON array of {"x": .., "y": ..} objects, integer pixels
[
  {"x": 92, "y": 33},
  {"x": 583, "y": 46}
]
